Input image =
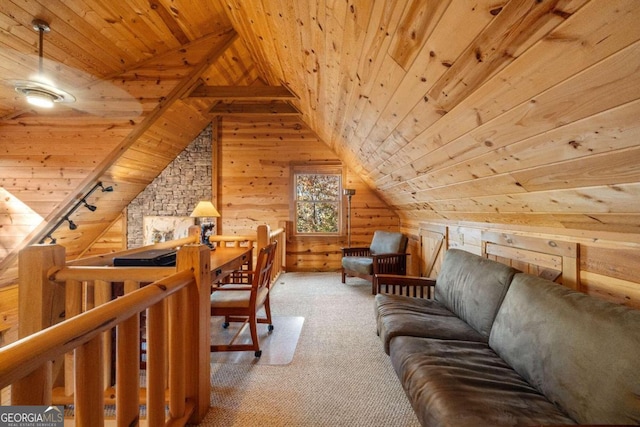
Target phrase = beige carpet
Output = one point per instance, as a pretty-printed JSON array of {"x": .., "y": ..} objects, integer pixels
[{"x": 339, "y": 375}]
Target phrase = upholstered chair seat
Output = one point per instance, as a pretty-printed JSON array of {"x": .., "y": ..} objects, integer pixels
[{"x": 386, "y": 254}]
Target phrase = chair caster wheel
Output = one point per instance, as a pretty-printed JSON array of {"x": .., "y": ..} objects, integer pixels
[
  {"x": 270, "y": 328},
  {"x": 225, "y": 325},
  {"x": 258, "y": 353}
]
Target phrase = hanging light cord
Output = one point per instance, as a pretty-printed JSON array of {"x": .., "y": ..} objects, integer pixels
[
  {"x": 41, "y": 27},
  {"x": 40, "y": 48}
]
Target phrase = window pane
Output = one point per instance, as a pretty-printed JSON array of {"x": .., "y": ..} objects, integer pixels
[
  {"x": 317, "y": 203},
  {"x": 321, "y": 217},
  {"x": 318, "y": 187}
]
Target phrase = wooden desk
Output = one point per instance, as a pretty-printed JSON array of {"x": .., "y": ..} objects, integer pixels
[{"x": 224, "y": 261}]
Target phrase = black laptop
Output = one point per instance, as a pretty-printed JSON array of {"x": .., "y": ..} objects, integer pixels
[{"x": 150, "y": 258}]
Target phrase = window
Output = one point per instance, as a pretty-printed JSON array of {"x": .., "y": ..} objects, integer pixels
[{"x": 317, "y": 199}]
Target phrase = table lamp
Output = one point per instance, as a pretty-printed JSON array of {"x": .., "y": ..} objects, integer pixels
[{"x": 205, "y": 209}]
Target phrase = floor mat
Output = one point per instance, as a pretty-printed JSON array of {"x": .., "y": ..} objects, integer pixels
[{"x": 278, "y": 346}]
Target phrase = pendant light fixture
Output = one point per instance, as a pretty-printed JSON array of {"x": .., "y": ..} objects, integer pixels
[{"x": 40, "y": 92}]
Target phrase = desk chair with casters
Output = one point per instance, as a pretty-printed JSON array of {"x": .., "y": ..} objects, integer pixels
[{"x": 239, "y": 302}]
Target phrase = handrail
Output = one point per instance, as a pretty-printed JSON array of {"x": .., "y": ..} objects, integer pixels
[
  {"x": 81, "y": 292},
  {"x": 108, "y": 274},
  {"x": 223, "y": 241},
  {"x": 267, "y": 236},
  {"x": 49, "y": 286},
  {"x": 22, "y": 357}
]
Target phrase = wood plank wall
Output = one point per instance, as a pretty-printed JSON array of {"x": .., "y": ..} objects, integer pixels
[
  {"x": 113, "y": 239},
  {"x": 255, "y": 159},
  {"x": 607, "y": 269}
]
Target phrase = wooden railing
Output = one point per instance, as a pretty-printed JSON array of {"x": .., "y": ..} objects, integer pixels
[
  {"x": 33, "y": 365},
  {"x": 263, "y": 237},
  {"x": 69, "y": 362},
  {"x": 267, "y": 236}
]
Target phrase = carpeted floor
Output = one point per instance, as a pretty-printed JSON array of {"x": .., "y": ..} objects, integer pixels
[{"x": 339, "y": 375}]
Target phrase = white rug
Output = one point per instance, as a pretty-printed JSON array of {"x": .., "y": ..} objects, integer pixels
[{"x": 278, "y": 347}]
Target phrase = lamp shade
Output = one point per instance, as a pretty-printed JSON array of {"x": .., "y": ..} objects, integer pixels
[{"x": 205, "y": 208}]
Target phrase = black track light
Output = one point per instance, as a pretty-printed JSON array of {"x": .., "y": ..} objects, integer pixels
[
  {"x": 105, "y": 189},
  {"x": 92, "y": 208},
  {"x": 82, "y": 201}
]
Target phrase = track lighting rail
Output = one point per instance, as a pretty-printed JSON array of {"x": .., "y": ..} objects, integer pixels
[{"x": 81, "y": 202}]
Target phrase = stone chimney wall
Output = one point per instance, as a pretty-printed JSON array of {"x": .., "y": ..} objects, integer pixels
[{"x": 176, "y": 191}]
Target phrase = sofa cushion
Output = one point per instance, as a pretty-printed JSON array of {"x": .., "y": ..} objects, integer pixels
[
  {"x": 461, "y": 383},
  {"x": 473, "y": 287},
  {"x": 418, "y": 317},
  {"x": 387, "y": 242},
  {"x": 582, "y": 352},
  {"x": 358, "y": 264},
  {"x": 385, "y": 304}
]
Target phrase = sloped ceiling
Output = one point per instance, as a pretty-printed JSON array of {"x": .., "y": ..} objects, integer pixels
[
  {"x": 130, "y": 65},
  {"x": 516, "y": 112},
  {"x": 520, "y": 112}
]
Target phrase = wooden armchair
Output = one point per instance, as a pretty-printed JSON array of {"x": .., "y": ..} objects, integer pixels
[
  {"x": 241, "y": 302},
  {"x": 386, "y": 255}
]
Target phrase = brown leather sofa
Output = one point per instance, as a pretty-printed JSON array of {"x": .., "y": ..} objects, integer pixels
[{"x": 498, "y": 347}]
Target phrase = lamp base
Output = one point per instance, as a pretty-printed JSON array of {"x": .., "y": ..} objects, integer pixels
[
  {"x": 203, "y": 231},
  {"x": 206, "y": 230}
]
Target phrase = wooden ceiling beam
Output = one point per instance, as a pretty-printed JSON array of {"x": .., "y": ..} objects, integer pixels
[
  {"x": 183, "y": 87},
  {"x": 229, "y": 109},
  {"x": 243, "y": 93}
]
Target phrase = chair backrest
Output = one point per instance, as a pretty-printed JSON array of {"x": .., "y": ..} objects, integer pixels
[
  {"x": 388, "y": 242},
  {"x": 262, "y": 276}
]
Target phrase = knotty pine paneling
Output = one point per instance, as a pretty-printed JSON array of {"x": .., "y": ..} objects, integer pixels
[
  {"x": 234, "y": 67},
  {"x": 601, "y": 89},
  {"x": 607, "y": 269},
  {"x": 512, "y": 114},
  {"x": 611, "y": 273},
  {"x": 113, "y": 239},
  {"x": 422, "y": 113},
  {"x": 620, "y": 263},
  {"x": 554, "y": 58},
  {"x": 255, "y": 160},
  {"x": 618, "y": 291},
  {"x": 122, "y": 147},
  {"x": 408, "y": 102}
]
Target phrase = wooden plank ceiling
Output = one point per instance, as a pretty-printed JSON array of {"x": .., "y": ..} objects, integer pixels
[{"x": 521, "y": 112}]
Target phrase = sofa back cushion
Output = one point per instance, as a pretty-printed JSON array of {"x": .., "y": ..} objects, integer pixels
[
  {"x": 387, "y": 242},
  {"x": 473, "y": 288},
  {"x": 581, "y": 352}
]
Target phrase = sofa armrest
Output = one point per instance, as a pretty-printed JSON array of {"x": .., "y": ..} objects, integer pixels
[
  {"x": 412, "y": 286},
  {"x": 392, "y": 263},
  {"x": 361, "y": 251}
]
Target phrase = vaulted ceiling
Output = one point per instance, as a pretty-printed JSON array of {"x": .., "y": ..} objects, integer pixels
[{"x": 504, "y": 111}]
